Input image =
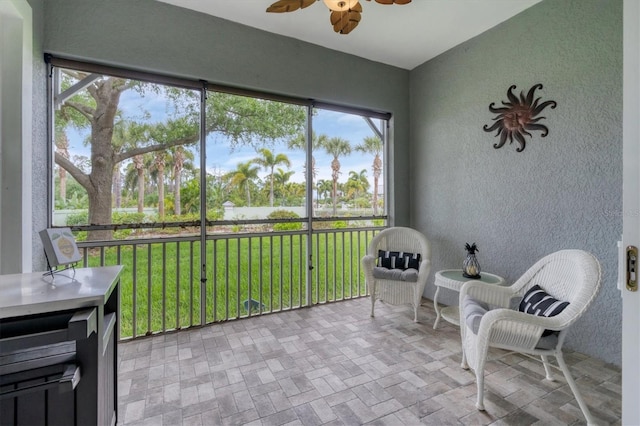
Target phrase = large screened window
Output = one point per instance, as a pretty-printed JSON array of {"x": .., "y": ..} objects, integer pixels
[
  {"x": 348, "y": 158},
  {"x": 125, "y": 151},
  {"x": 128, "y": 151},
  {"x": 220, "y": 203},
  {"x": 255, "y": 158}
]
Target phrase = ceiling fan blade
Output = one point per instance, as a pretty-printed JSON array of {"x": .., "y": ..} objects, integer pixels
[
  {"x": 347, "y": 21},
  {"x": 282, "y": 6}
]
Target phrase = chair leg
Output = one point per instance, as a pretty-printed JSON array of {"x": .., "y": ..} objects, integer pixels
[
  {"x": 480, "y": 383},
  {"x": 415, "y": 309},
  {"x": 373, "y": 304},
  {"x": 547, "y": 368},
  {"x": 464, "y": 364},
  {"x": 574, "y": 388},
  {"x": 435, "y": 306}
]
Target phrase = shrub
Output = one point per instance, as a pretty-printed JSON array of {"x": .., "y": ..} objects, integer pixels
[
  {"x": 80, "y": 235},
  {"x": 78, "y": 219},
  {"x": 214, "y": 214},
  {"x": 124, "y": 217},
  {"x": 285, "y": 214}
]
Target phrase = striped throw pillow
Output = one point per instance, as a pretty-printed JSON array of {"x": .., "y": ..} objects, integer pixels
[
  {"x": 398, "y": 260},
  {"x": 538, "y": 302}
]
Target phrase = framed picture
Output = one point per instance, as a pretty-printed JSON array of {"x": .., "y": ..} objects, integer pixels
[{"x": 59, "y": 246}]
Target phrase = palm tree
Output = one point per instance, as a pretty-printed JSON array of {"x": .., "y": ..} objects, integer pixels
[
  {"x": 242, "y": 178},
  {"x": 127, "y": 135},
  {"x": 181, "y": 159},
  {"x": 173, "y": 156},
  {"x": 356, "y": 184},
  {"x": 218, "y": 189},
  {"x": 176, "y": 160},
  {"x": 336, "y": 147},
  {"x": 159, "y": 163},
  {"x": 269, "y": 161},
  {"x": 373, "y": 145},
  {"x": 300, "y": 142},
  {"x": 135, "y": 176},
  {"x": 281, "y": 178},
  {"x": 295, "y": 192},
  {"x": 323, "y": 187},
  {"x": 138, "y": 164}
]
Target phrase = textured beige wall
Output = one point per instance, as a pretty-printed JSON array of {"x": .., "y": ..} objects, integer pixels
[
  {"x": 40, "y": 146},
  {"x": 562, "y": 191}
]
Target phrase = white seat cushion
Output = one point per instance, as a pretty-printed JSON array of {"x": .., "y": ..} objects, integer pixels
[
  {"x": 410, "y": 275},
  {"x": 473, "y": 311}
]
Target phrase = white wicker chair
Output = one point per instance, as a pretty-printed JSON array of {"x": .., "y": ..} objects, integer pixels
[
  {"x": 567, "y": 275},
  {"x": 393, "y": 291}
]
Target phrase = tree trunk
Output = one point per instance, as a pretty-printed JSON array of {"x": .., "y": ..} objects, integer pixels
[
  {"x": 99, "y": 190},
  {"x": 178, "y": 165},
  {"x": 62, "y": 173},
  {"x": 377, "y": 171},
  {"x": 375, "y": 195},
  {"x": 62, "y": 147},
  {"x": 140, "y": 191},
  {"x": 138, "y": 163},
  {"x": 177, "y": 209},
  {"x": 161, "y": 191},
  {"x": 101, "y": 178},
  {"x": 117, "y": 186},
  {"x": 271, "y": 192},
  {"x": 99, "y": 214},
  {"x": 335, "y": 174},
  {"x": 334, "y": 197}
]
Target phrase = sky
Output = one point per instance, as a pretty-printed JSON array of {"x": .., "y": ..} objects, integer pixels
[
  {"x": 350, "y": 127},
  {"x": 221, "y": 158}
]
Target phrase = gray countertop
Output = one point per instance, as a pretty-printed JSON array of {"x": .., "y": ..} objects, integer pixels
[{"x": 33, "y": 293}]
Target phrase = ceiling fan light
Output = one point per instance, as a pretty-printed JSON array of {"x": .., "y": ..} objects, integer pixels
[{"x": 340, "y": 5}]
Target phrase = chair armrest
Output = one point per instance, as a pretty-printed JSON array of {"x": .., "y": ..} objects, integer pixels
[
  {"x": 492, "y": 294},
  {"x": 424, "y": 268},
  {"x": 503, "y": 314},
  {"x": 514, "y": 329},
  {"x": 369, "y": 262},
  {"x": 423, "y": 274}
]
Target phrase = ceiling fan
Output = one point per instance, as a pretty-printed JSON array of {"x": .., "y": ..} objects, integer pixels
[{"x": 345, "y": 14}]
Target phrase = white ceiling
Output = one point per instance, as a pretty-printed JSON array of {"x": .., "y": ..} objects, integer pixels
[{"x": 403, "y": 36}]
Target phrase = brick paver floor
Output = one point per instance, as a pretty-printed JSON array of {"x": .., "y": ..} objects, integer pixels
[{"x": 335, "y": 365}]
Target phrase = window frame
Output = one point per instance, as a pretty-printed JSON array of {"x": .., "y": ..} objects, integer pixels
[{"x": 203, "y": 86}]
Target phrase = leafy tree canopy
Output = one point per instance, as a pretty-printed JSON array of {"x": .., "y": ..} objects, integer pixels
[{"x": 115, "y": 138}]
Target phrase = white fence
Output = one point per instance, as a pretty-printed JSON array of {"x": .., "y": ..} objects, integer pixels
[
  {"x": 241, "y": 213},
  {"x": 60, "y": 216}
]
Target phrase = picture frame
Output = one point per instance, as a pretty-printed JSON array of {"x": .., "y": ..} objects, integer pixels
[{"x": 60, "y": 247}]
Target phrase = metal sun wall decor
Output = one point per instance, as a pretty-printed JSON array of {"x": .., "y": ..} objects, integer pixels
[{"x": 517, "y": 116}]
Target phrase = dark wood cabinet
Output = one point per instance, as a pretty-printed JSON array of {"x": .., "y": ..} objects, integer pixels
[{"x": 58, "y": 347}]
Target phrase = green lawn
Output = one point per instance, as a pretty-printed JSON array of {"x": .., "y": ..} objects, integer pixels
[{"x": 165, "y": 277}]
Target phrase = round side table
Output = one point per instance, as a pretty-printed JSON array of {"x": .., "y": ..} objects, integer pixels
[{"x": 454, "y": 280}]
